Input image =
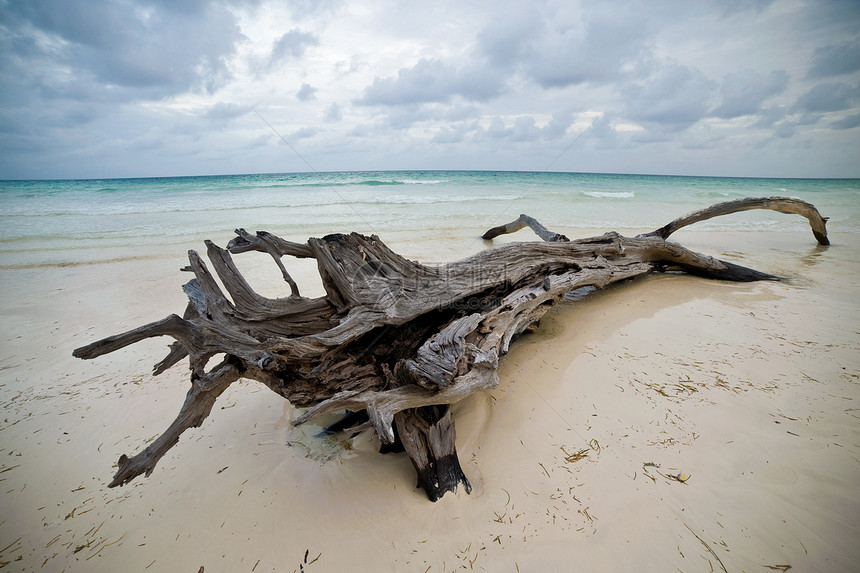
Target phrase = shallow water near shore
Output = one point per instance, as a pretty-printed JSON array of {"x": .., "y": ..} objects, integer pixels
[{"x": 94, "y": 221}]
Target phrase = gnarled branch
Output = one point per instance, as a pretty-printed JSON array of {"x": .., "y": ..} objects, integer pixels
[{"x": 780, "y": 204}]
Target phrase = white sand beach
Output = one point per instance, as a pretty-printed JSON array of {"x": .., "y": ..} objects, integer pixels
[{"x": 671, "y": 423}]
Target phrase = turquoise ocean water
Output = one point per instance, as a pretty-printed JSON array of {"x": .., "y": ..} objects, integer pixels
[{"x": 63, "y": 222}]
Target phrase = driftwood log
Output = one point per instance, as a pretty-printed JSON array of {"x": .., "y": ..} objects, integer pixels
[{"x": 394, "y": 343}]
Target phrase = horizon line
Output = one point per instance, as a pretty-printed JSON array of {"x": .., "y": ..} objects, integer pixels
[{"x": 247, "y": 174}]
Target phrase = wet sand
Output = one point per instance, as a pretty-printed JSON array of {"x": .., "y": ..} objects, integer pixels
[{"x": 670, "y": 423}]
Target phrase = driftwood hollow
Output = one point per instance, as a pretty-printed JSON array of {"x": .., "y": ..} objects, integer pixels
[{"x": 393, "y": 343}]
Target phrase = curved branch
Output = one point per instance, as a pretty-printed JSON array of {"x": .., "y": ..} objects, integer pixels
[
  {"x": 178, "y": 328},
  {"x": 525, "y": 221},
  {"x": 264, "y": 242},
  {"x": 780, "y": 204}
]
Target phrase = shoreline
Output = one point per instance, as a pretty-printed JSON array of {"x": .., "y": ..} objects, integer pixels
[{"x": 739, "y": 387}]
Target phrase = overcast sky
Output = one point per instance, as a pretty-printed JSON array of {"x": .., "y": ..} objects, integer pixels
[{"x": 128, "y": 88}]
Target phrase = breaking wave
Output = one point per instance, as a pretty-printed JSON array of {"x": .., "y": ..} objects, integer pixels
[{"x": 610, "y": 194}]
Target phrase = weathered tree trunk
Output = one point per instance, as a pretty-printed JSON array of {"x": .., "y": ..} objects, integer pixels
[
  {"x": 427, "y": 434},
  {"x": 391, "y": 337}
]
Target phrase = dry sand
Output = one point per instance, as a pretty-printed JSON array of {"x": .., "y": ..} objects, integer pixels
[{"x": 667, "y": 424}]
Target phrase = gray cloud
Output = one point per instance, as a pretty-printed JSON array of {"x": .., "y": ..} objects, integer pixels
[
  {"x": 769, "y": 116},
  {"x": 462, "y": 112},
  {"x": 524, "y": 128},
  {"x": 333, "y": 113},
  {"x": 825, "y": 19},
  {"x": 557, "y": 126},
  {"x": 73, "y": 76},
  {"x": 827, "y": 97},
  {"x": 835, "y": 60},
  {"x": 711, "y": 143},
  {"x": 452, "y": 134},
  {"x": 674, "y": 99},
  {"x": 556, "y": 50},
  {"x": 602, "y": 48},
  {"x": 405, "y": 116},
  {"x": 128, "y": 49},
  {"x": 306, "y": 93},
  {"x": 303, "y": 133},
  {"x": 785, "y": 129},
  {"x": 605, "y": 45},
  {"x": 808, "y": 119},
  {"x": 604, "y": 134},
  {"x": 432, "y": 81},
  {"x": 729, "y": 7},
  {"x": 510, "y": 34},
  {"x": 292, "y": 44},
  {"x": 226, "y": 111},
  {"x": 744, "y": 92},
  {"x": 849, "y": 122},
  {"x": 521, "y": 129},
  {"x": 651, "y": 136}
]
